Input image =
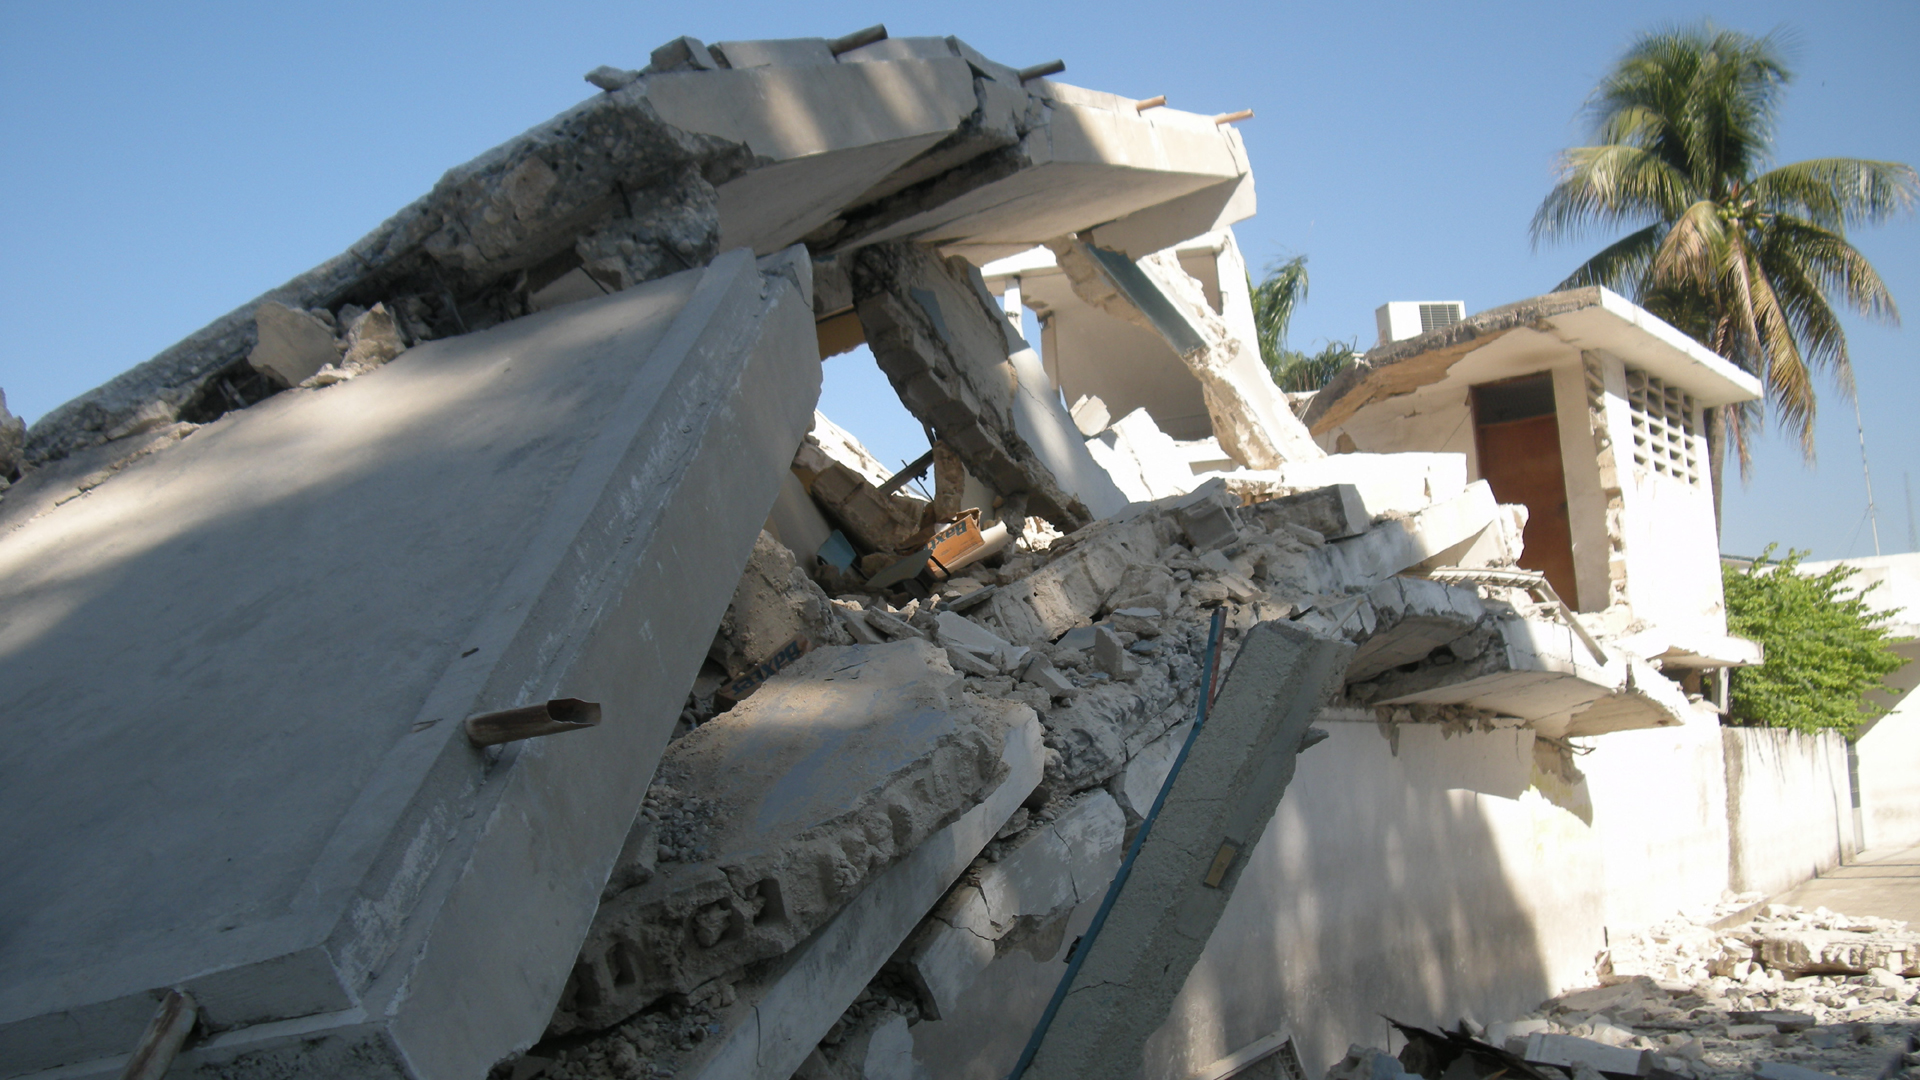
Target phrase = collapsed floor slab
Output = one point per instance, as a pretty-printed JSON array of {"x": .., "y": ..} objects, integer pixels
[
  {"x": 241, "y": 666},
  {"x": 834, "y": 770}
]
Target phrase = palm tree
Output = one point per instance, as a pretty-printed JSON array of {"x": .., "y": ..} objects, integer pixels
[
  {"x": 1274, "y": 300},
  {"x": 1747, "y": 260}
]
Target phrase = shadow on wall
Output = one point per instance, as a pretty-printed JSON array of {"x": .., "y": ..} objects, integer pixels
[{"x": 1417, "y": 877}]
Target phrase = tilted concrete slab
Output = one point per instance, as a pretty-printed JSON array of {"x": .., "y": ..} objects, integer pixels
[
  {"x": 237, "y": 672},
  {"x": 832, "y": 771},
  {"x": 781, "y": 1015},
  {"x": 1215, "y": 811}
]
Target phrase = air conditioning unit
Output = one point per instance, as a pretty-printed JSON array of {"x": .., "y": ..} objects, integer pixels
[{"x": 1403, "y": 319}]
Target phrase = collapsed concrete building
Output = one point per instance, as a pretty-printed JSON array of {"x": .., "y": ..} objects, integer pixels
[{"x": 837, "y": 776}]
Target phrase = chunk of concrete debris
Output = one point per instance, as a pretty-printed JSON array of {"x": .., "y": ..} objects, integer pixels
[
  {"x": 775, "y": 603},
  {"x": 610, "y": 78},
  {"x": 1780, "y": 1070},
  {"x": 1568, "y": 1051},
  {"x": 957, "y": 631},
  {"x": 838, "y": 766},
  {"x": 13, "y": 436},
  {"x": 1334, "y": 512},
  {"x": 1142, "y": 459},
  {"x": 785, "y": 1008},
  {"x": 292, "y": 344},
  {"x": 1139, "y": 621},
  {"x": 1795, "y": 953},
  {"x": 970, "y": 664},
  {"x": 1090, "y": 415},
  {"x": 1110, "y": 656},
  {"x": 1206, "y": 520},
  {"x": 373, "y": 338},
  {"x": 1368, "y": 1063},
  {"x": 1044, "y": 675}
]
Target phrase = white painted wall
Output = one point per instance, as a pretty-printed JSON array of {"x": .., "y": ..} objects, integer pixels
[
  {"x": 1888, "y": 752},
  {"x": 1660, "y": 810},
  {"x": 1789, "y": 808}
]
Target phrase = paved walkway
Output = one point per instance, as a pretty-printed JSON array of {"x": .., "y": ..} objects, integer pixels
[{"x": 1880, "y": 883}]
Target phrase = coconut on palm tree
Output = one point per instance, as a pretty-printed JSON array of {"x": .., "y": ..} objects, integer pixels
[{"x": 1748, "y": 260}]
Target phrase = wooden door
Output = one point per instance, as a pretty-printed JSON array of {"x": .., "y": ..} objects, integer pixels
[{"x": 1517, "y": 436}]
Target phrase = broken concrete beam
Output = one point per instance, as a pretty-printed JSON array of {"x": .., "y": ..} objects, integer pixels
[
  {"x": 1185, "y": 870},
  {"x": 1411, "y": 618},
  {"x": 1250, "y": 416},
  {"x": 1402, "y": 483},
  {"x": 1817, "y": 952},
  {"x": 1075, "y": 586},
  {"x": 1044, "y": 874},
  {"x": 781, "y": 1014},
  {"x": 1568, "y": 1051},
  {"x": 793, "y": 841},
  {"x": 945, "y": 352},
  {"x": 1398, "y": 544},
  {"x": 1336, "y": 511},
  {"x": 354, "y": 873}
]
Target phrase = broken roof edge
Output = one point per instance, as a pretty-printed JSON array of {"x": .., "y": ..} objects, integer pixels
[{"x": 1693, "y": 366}]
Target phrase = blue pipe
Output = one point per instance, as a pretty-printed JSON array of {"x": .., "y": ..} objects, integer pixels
[{"x": 1085, "y": 945}]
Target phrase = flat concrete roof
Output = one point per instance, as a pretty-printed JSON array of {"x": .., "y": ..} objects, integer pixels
[
  {"x": 235, "y": 672},
  {"x": 1590, "y": 319}
]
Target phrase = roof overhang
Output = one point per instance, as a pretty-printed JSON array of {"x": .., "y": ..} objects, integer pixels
[{"x": 1557, "y": 325}]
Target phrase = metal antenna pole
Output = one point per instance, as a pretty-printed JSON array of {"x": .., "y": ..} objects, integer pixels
[
  {"x": 1872, "y": 514},
  {"x": 1913, "y": 537}
]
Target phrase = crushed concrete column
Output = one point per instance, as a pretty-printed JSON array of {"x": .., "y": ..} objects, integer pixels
[
  {"x": 1250, "y": 417},
  {"x": 944, "y": 344},
  {"x": 1186, "y": 870}
]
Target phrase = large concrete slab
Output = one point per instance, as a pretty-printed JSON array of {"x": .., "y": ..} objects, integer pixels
[
  {"x": 834, "y": 770},
  {"x": 236, "y": 673}
]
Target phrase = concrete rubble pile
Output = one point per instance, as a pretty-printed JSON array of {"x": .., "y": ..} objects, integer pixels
[
  {"x": 1763, "y": 990},
  {"x": 1099, "y": 636},
  {"x": 864, "y": 760}
]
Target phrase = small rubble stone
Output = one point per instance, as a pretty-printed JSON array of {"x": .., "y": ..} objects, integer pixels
[
  {"x": 1110, "y": 655},
  {"x": 293, "y": 344},
  {"x": 373, "y": 338},
  {"x": 1144, "y": 621},
  {"x": 610, "y": 78}
]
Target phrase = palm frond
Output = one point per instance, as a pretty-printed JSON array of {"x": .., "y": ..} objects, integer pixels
[
  {"x": 1837, "y": 192},
  {"x": 1275, "y": 298},
  {"x": 1609, "y": 186},
  {"x": 1621, "y": 265}
]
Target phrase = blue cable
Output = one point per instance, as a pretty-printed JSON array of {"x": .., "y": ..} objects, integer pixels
[{"x": 1126, "y": 865}]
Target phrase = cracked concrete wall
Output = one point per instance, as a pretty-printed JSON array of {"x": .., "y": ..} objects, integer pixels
[
  {"x": 945, "y": 352},
  {"x": 1250, "y": 416}
]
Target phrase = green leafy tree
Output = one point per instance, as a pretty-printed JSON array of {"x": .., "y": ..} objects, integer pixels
[
  {"x": 1824, "y": 648},
  {"x": 1275, "y": 298},
  {"x": 1746, "y": 259}
]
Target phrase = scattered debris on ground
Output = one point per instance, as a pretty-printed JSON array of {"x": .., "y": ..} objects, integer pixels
[{"x": 1790, "y": 995}]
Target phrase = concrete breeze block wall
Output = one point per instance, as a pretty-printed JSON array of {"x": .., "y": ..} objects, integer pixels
[{"x": 1789, "y": 808}]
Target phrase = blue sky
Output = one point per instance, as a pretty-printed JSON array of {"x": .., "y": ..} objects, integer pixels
[{"x": 166, "y": 163}]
